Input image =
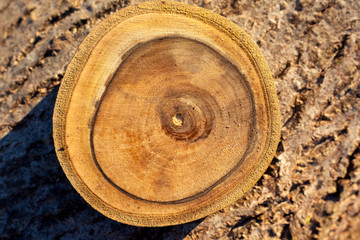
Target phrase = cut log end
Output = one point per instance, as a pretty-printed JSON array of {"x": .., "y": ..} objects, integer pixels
[{"x": 166, "y": 118}]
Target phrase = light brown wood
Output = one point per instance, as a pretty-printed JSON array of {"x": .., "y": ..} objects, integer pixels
[{"x": 166, "y": 114}]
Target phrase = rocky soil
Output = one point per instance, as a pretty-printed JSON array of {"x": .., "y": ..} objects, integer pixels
[{"x": 310, "y": 191}]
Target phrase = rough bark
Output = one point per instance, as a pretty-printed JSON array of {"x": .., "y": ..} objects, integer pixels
[{"x": 311, "y": 189}]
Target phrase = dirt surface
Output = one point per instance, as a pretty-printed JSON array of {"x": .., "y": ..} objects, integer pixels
[{"x": 311, "y": 189}]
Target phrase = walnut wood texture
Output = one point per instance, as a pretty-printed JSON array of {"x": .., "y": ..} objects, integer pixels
[{"x": 166, "y": 114}]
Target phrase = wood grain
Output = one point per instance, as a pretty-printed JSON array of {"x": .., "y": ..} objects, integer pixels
[{"x": 167, "y": 113}]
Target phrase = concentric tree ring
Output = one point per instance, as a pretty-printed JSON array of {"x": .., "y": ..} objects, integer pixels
[{"x": 167, "y": 113}]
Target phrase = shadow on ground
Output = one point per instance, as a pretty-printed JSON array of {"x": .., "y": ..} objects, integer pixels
[{"x": 38, "y": 202}]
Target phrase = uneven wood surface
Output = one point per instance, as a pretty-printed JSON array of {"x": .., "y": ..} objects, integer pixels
[
  {"x": 167, "y": 113},
  {"x": 311, "y": 189}
]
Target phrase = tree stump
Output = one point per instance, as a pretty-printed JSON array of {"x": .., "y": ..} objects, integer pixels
[{"x": 166, "y": 114}]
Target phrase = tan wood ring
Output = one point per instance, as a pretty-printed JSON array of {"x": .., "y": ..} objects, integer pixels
[{"x": 166, "y": 114}]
